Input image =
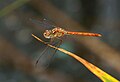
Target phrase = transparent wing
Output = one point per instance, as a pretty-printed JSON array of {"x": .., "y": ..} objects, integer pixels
[
  {"x": 46, "y": 57},
  {"x": 42, "y": 23}
]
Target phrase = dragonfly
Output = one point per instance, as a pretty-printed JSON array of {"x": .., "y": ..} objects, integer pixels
[{"x": 58, "y": 32}]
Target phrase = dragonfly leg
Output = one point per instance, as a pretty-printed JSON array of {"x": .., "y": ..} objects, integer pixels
[
  {"x": 43, "y": 53},
  {"x": 58, "y": 45}
]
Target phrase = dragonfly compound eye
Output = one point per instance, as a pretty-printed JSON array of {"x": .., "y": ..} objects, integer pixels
[{"x": 47, "y": 34}]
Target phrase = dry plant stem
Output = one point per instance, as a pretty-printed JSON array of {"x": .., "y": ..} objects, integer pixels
[
  {"x": 54, "y": 52},
  {"x": 101, "y": 49},
  {"x": 98, "y": 72},
  {"x": 10, "y": 53}
]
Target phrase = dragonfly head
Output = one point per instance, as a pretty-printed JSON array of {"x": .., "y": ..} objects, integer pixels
[{"x": 47, "y": 34}]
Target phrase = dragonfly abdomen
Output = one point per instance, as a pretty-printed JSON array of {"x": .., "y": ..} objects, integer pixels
[{"x": 84, "y": 34}]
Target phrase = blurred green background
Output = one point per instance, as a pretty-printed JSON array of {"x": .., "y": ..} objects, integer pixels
[{"x": 19, "y": 50}]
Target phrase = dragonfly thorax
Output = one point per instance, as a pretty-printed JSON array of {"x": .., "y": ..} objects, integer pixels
[{"x": 54, "y": 33}]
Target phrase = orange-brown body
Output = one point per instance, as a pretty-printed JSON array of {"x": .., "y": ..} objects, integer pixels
[{"x": 59, "y": 32}]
